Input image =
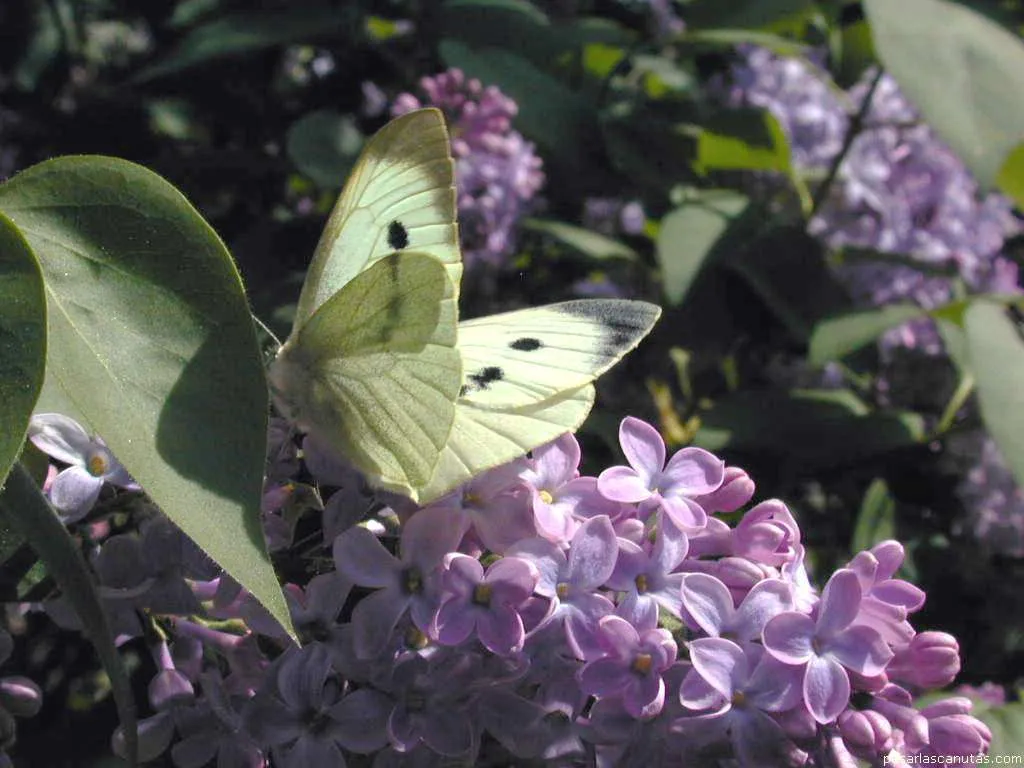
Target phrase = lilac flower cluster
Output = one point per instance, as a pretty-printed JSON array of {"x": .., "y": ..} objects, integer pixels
[
  {"x": 498, "y": 173},
  {"x": 994, "y": 501},
  {"x": 538, "y": 614},
  {"x": 899, "y": 190}
]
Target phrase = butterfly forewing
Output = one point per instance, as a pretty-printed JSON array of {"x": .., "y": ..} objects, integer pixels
[
  {"x": 400, "y": 197},
  {"x": 482, "y": 439},
  {"x": 519, "y": 358}
]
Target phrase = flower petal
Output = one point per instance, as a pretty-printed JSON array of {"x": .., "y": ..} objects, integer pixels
[
  {"x": 643, "y": 446},
  {"x": 59, "y": 436},
  {"x": 623, "y": 484},
  {"x": 826, "y": 689},
  {"x": 789, "y": 637},
  {"x": 707, "y": 602},
  {"x": 693, "y": 472}
]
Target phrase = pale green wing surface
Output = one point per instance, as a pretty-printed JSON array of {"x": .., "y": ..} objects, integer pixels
[
  {"x": 400, "y": 197},
  {"x": 524, "y": 357},
  {"x": 482, "y": 439},
  {"x": 375, "y": 372}
]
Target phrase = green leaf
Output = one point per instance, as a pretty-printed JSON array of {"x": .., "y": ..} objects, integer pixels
[
  {"x": 26, "y": 509},
  {"x": 22, "y": 340},
  {"x": 244, "y": 32},
  {"x": 586, "y": 241},
  {"x": 324, "y": 146},
  {"x": 856, "y": 53},
  {"x": 727, "y": 38},
  {"x": 961, "y": 70},
  {"x": 694, "y": 234},
  {"x": 151, "y": 339},
  {"x": 996, "y": 357},
  {"x": 876, "y": 520},
  {"x": 1007, "y": 724},
  {"x": 779, "y": 15},
  {"x": 511, "y": 25},
  {"x": 806, "y": 429},
  {"x": 742, "y": 140},
  {"x": 1011, "y": 176},
  {"x": 835, "y": 337},
  {"x": 649, "y": 145}
]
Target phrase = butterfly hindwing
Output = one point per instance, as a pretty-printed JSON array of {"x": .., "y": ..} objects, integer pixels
[
  {"x": 375, "y": 372},
  {"x": 520, "y": 358}
]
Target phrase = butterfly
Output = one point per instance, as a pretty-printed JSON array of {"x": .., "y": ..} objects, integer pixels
[{"x": 377, "y": 366}]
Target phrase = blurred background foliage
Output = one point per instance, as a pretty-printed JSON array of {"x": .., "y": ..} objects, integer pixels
[{"x": 256, "y": 111}]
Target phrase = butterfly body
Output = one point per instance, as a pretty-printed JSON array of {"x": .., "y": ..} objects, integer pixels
[{"x": 378, "y": 367}]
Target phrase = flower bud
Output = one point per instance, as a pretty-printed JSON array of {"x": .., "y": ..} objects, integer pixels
[
  {"x": 867, "y": 733},
  {"x": 20, "y": 696},
  {"x": 736, "y": 490},
  {"x": 931, "y": 660}
]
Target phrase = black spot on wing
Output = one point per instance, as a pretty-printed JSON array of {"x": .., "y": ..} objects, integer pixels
[
  {"x": 482, "y": 379},
  {"x": 526, "y": 344},
  {"x": 398, "y": 236}
]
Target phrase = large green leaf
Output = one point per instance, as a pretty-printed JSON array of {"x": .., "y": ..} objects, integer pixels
[
  {"x": 807, "y": 429},
  {"x": 962, "y": 70},
  {"x": 23, "y": 505},
  {"x": 243, "y": 32},
  {"x": 22, "y": 340},
  {"x": 696, "y": 232},
  {"x": 835, "y": 337},
  {"x": 151, "y": 339},
  {"x": 996, "y": 357}
]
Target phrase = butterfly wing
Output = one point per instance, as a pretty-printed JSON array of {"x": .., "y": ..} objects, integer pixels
[
  {"x": 400, "y": 196},
  {"x": 484, "y": 438},
  {"x": 520, "y": 358},
  {"x": 375, "y": 372},
  {"x": 528, "y": 379}
]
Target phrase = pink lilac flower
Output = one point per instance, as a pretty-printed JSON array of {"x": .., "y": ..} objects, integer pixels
[
  {"x": 306, "y": 716},
  {"x": 560, "y": 496},
  {"x": 708, "y": 606},
  {"x": 410, "y": 582},
  {"x": 734, "y": 690},
  {"x": 571, "y": 579},
  {"x": 631, "y": 666},
  {"x": 647, "y": 575},
  {"x": 648, "y": 479},
  {"x": 497, "y": 172},
  {"x": 91, "y": 464},
  {"x": 828, "y": 645},
  {"x": 484, "y": 604},
  {"x": 993, "y": 500}
]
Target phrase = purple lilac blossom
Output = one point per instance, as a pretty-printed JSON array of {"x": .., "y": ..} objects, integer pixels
[
  {"x": 518, "y": 620},
  {"x": 899, "y": 189},
  {"x": 497, "y": 171},
  {"x": 994, "y": 501},
  {"x": 90, "y": 464}
]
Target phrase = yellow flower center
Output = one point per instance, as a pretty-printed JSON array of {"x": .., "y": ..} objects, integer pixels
[
  {"x": 97, "y": 464},
  {"x": 641, "y": 583},
  {"x": 642, "y": 663},
  {"x": 482, "y": 594},
  {"x": 546, "y": 497}
]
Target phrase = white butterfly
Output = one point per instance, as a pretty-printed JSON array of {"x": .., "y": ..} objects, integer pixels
[{"x": 377, "y": 365}]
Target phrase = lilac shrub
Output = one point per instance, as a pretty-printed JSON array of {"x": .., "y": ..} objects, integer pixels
[
  {"x": 497, "y": 172},
  {"x": 900, "y": 190},
  {"x": 646, "y": 615}
]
